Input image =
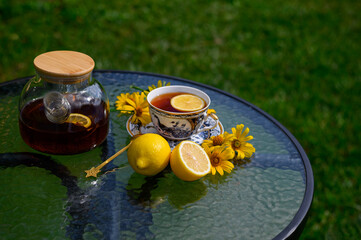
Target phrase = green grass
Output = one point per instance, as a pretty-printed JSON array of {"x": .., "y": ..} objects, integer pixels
[{"x": 299, "y": 60}]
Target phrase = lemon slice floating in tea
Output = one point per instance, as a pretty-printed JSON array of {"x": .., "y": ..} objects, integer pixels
[
  {"x": 187, "y": 102},
  {"x": 79, "y": 120},
  {"x": 189, "y": 161}
]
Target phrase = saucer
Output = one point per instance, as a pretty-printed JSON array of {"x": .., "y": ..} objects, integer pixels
[{"x": 134, "y": 129}]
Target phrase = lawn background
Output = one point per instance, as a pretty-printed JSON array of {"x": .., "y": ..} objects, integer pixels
[{"x": 299, "y": 60}]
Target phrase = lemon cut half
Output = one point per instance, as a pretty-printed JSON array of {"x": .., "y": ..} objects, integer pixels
[
  {"x": 189, "y": 161},
  {"x": 187, "y": 102},
  {"x": 79, "y": 120}
]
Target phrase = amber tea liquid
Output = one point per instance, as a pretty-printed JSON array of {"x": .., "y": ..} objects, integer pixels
[
  {"x": 163, "y": 101},
  {"x": 65, "y": 138}
]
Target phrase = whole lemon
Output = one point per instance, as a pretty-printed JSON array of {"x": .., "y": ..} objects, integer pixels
[{"x": 149, "y": 154}]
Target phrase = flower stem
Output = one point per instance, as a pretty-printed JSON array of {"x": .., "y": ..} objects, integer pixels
[{"x": 138, "y": 88}]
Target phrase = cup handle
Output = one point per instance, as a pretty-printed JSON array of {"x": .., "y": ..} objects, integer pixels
[{"x": 215, "y": 117}]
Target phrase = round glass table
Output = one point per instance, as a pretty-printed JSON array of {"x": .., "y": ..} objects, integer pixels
[{"x": 48, "y": 196}]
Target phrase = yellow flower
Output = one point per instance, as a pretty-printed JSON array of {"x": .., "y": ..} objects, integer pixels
[
  {"x": 219, "y": 157},
  {"x": 219, "y": 140},
  {"x": 122, "y": 100},
  {"x": 210, "y": 110},
  {"x": 239, "y": 143},
  {"x": 137, "y": 104},
  {"x": 159, "y": 84}
]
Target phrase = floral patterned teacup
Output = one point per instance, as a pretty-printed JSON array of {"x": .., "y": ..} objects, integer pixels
[{"x": 179, "y": 125}]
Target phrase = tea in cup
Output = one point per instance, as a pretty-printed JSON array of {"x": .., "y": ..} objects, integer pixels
[{"x": 178, "y": 112}]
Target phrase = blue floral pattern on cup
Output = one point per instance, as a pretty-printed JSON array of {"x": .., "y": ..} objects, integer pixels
[
  {"x": 134, "y": 129},
  {"x": 175, "y": 125}
]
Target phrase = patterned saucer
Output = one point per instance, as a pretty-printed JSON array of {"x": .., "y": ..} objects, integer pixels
[{"x": 134, "y": 129}]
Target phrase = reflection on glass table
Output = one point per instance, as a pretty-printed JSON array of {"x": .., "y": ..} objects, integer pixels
[{"x": 48, "y": 196}]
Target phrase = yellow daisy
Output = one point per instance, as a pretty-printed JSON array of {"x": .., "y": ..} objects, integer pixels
[
  {"x": 122, "y": 100},
  {"x": 137, "y": 104},
  {"x": 159, "y": 84},
  {"x": 219, "y": 140},
  {"x": 210, "y": 110},
  {"x": 219, "y": 157},
  {"x": 239, "y": 143}
]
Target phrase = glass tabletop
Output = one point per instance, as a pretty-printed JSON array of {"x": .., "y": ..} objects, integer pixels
[{"x": 48, "y": 196}]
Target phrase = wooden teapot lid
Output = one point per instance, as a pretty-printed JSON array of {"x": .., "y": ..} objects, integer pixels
[{"x": 64, "y": 66}]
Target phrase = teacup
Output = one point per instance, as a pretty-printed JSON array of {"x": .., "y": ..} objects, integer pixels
[{"x": 180, "y": 125}]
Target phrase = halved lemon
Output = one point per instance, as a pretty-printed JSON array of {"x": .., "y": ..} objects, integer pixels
[
  {"x": 79, "y": 120},
  {"x": 189, "y": 161},
  {"x": 187, "y": 102}
]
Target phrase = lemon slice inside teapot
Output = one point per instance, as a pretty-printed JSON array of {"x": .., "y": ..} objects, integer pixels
[{"x": 79, "y": 120}]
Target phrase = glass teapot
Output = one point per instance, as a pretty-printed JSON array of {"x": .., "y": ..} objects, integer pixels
[{"x": 63, "y": 110}]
